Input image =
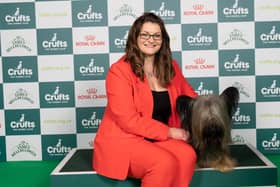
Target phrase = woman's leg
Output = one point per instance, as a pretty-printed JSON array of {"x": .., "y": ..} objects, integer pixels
[
  {"x": 153, "y": 164},
  {"x": 186, "y": 158}
]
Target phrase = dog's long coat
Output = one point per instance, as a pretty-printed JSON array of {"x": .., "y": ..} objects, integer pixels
[{"x": 208, "y": 118}]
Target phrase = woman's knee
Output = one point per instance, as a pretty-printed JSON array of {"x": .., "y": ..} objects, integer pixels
[
  {"x": 166, "y": 163},
  {"x": 189, "y": 152}
]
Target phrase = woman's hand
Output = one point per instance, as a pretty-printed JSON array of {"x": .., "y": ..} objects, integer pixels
[{"x": 178, "y": 133}]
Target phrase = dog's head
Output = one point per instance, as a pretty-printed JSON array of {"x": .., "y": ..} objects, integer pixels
[{"x": 208, "y": 119}]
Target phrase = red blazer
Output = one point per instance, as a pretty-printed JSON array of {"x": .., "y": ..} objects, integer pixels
[{"x": 128, "y": 117}]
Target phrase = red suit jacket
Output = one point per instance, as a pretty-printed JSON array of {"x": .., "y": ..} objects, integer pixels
[{"x": 128, "y": 117}]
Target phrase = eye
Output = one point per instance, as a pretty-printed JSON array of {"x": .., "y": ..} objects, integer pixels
[
  {"x": 144, "y": 35},
  {"x": 157, "y": 36}
]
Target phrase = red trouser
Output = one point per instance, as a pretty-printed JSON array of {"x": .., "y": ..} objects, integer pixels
[{"x": 168, "y": 163}]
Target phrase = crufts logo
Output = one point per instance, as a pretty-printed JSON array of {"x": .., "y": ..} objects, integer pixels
[
  {"x": 199, "y": 38},
  {"x": 92, "y": 122},
  {"x": 92, "y": 69},
  {"x": 272, "y": 90},
  {"x": 272, "y": 144},
  {"x": 59, "y": 149},
  {"x": 235, "y": 10},
  {"x": 239, "y": 118},
  {"x": 236, "y": 64},
  {"x": 19, "y": 71},
  {"x": 272, "y": 37},
  {"x": 17, "y": 18},
  {"x": 203, "y": 91},
  {"x": 89, "y": 15},
  {"x": 56, "y": 96},
  {"x": 54, "y": 43},
  {"x": 163, "y": 11}
]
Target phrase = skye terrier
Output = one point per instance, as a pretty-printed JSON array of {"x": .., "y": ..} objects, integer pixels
[{"x": 208, "y": 118}]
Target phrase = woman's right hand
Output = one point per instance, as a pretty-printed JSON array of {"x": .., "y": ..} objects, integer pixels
[{"x": 178, "y": 133}]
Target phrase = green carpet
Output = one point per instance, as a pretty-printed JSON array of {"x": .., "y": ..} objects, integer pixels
[
  {"x": 37, "y": 173},
  {"x": 26, "y": 173},
  {"x": 275, "y": 159}
]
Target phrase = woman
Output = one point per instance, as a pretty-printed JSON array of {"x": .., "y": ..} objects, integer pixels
[{"x": 140, "y": 134}]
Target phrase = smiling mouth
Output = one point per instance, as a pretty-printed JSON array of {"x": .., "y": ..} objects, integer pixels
[{"x": 150, "y": 45}]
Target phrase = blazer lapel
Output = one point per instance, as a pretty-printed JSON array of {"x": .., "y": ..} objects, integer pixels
[{"x": 143, "y": 97}]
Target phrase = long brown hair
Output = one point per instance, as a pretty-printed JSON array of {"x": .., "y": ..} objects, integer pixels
[{"x": 163, "y": 68}]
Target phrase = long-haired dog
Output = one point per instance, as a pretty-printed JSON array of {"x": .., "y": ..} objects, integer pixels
[{"x": 208, "y": 118}]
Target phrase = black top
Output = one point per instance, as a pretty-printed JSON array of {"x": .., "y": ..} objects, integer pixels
[{"x": 162, "y": 107}]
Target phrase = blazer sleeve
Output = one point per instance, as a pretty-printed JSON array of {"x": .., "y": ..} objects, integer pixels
[{"x": 119, "y": 87}]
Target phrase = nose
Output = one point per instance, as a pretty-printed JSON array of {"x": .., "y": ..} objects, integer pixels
[{"x": 151, "y": 38}]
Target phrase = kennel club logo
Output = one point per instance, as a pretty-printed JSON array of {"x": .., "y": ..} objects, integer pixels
[
  {"x": 238, "y": 139},
  {"x": 236, "y": 35},
  {"x": 21, "y": 94},
  {"x": 125, "y": 11},
  {"x": 18, "y": 42},
  {"x": 23, "y": 147}
]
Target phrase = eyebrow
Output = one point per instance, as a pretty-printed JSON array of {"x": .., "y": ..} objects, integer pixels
[{"x": 151, "y": 33}]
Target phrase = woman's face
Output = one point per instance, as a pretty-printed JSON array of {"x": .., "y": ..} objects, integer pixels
[{"x": 149, "y": 39}]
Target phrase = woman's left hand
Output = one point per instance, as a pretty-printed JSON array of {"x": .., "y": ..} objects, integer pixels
[{"x": 178, "y": 133}]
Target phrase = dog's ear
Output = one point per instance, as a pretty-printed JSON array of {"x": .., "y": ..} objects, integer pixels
[
  {"x": 231, "y": 98},
  {"x": 184, "y": 109},
  {"x": 182, "y": 105}
]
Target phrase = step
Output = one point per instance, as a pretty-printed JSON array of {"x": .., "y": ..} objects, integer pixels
[{"x": 253, "y": 170}]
